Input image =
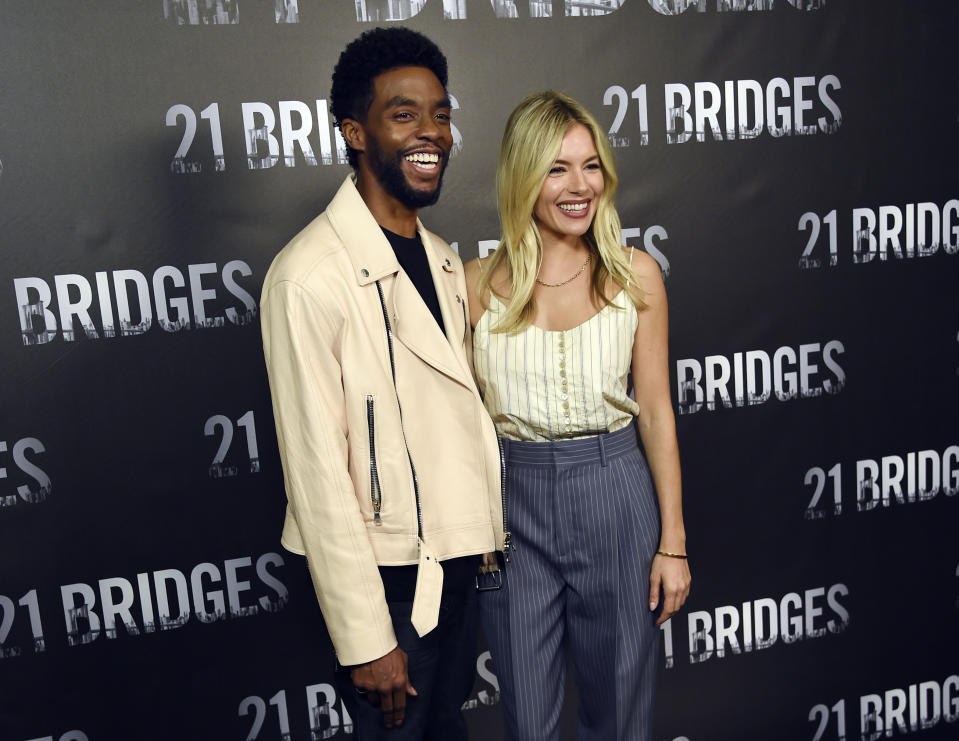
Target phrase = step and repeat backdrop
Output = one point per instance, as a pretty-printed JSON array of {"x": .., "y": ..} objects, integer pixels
[{"x": 791, "y": 165}]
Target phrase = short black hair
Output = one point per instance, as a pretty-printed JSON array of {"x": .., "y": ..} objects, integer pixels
[{"x": 375, "y": 52}]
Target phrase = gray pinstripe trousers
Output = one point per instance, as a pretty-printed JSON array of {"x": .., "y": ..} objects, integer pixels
[{"x": 585, "y": 523}]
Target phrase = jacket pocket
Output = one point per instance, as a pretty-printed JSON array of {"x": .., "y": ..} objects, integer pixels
[{"x": 376, "y": 493}]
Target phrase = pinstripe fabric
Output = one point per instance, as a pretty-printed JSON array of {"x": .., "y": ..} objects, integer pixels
[
  {"x": 544, "y": 385},
  {"x": 585, "y": 523}
]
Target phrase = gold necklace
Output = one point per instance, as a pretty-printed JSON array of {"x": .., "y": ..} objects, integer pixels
[{"x": 570, "y": 278}]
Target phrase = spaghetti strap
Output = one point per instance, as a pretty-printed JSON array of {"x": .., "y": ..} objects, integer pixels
[{"x": 630, "y": 278}]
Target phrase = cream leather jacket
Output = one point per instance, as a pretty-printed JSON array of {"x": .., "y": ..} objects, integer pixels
[{"x": 350, "y": 439}]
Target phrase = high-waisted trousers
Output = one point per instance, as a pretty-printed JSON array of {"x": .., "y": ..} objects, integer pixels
[{"x": 585, "y": 525}]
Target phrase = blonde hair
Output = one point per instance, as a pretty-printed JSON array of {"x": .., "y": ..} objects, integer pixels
[{"x": 531, "y": 143}]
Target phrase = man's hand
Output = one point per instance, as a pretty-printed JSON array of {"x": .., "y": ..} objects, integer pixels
[
  {"x": 386, "y": 682},
  {"x": 489, "y": 563}
]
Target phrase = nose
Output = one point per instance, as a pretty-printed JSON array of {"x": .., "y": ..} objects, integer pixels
[
  {"x": 428, "y": 129},
  {"x": 577, "y": 181}
]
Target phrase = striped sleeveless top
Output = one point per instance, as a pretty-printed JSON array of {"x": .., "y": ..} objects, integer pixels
[{"x": 547, "y": 385}]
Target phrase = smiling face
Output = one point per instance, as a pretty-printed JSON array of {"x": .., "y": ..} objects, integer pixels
[
  {"x": 406, "y": 138},
  {"x": 567, "y": 202}
]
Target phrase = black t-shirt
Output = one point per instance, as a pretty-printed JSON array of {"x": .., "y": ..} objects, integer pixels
[
  {"x": 400, "y": 581},
  {"x": 411, "y": 255}
]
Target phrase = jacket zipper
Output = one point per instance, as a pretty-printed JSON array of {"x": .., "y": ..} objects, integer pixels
[
  {"x": 389, "y": 342},
  {"x": 507, "y": 536},
  {"x": 376, "y": 494}
]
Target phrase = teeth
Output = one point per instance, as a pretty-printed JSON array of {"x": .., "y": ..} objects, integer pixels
[
  {"x": 574, "y": 206},
  {"x": 423, "y": 157}
]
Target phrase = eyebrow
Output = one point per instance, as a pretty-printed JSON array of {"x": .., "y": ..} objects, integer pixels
[
  {"x": 401, "y": 100},
  {"x": 564, "y": 162}
]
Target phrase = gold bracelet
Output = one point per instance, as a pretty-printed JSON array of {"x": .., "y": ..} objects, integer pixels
[{"x": 672, "y": 555}]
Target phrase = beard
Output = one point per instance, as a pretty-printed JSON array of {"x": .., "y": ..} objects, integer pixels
[{"x": 389, "y": 172}]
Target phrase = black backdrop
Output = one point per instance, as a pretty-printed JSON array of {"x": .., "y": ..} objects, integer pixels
[{"x": 793, "y": 168}]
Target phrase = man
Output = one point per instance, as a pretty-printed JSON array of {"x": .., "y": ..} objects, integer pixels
[{"x": 390, "y": 461}]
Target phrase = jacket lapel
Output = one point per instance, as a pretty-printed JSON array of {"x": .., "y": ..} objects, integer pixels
[
  {"x": 415, "y": 327},
  {"x": 411, "y": 320},
  {"x": 447, "y": 278}
]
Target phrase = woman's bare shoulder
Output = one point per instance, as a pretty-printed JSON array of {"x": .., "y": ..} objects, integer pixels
[
  {"x": 477, "y": 305},
  {"x": 646, "y": 267},
  {"x": 499, "y": 280},
  {"x": 472, "y": 271},
  {"x": 642, "y": 263},
  {"x": 648, "y": 285},
  {"x": 498, "y": 285}
]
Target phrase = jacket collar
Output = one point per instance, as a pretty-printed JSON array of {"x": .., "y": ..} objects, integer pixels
[{"x": 369, "y": 250}]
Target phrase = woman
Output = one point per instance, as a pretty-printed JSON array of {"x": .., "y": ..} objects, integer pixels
[{"x": 562, "y": 313}]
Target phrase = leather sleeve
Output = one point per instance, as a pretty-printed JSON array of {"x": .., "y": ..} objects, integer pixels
[{"x": 300, "y": 342}]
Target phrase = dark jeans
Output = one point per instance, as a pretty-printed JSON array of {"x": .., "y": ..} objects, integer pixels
[{"x": 441, "y": 669}]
